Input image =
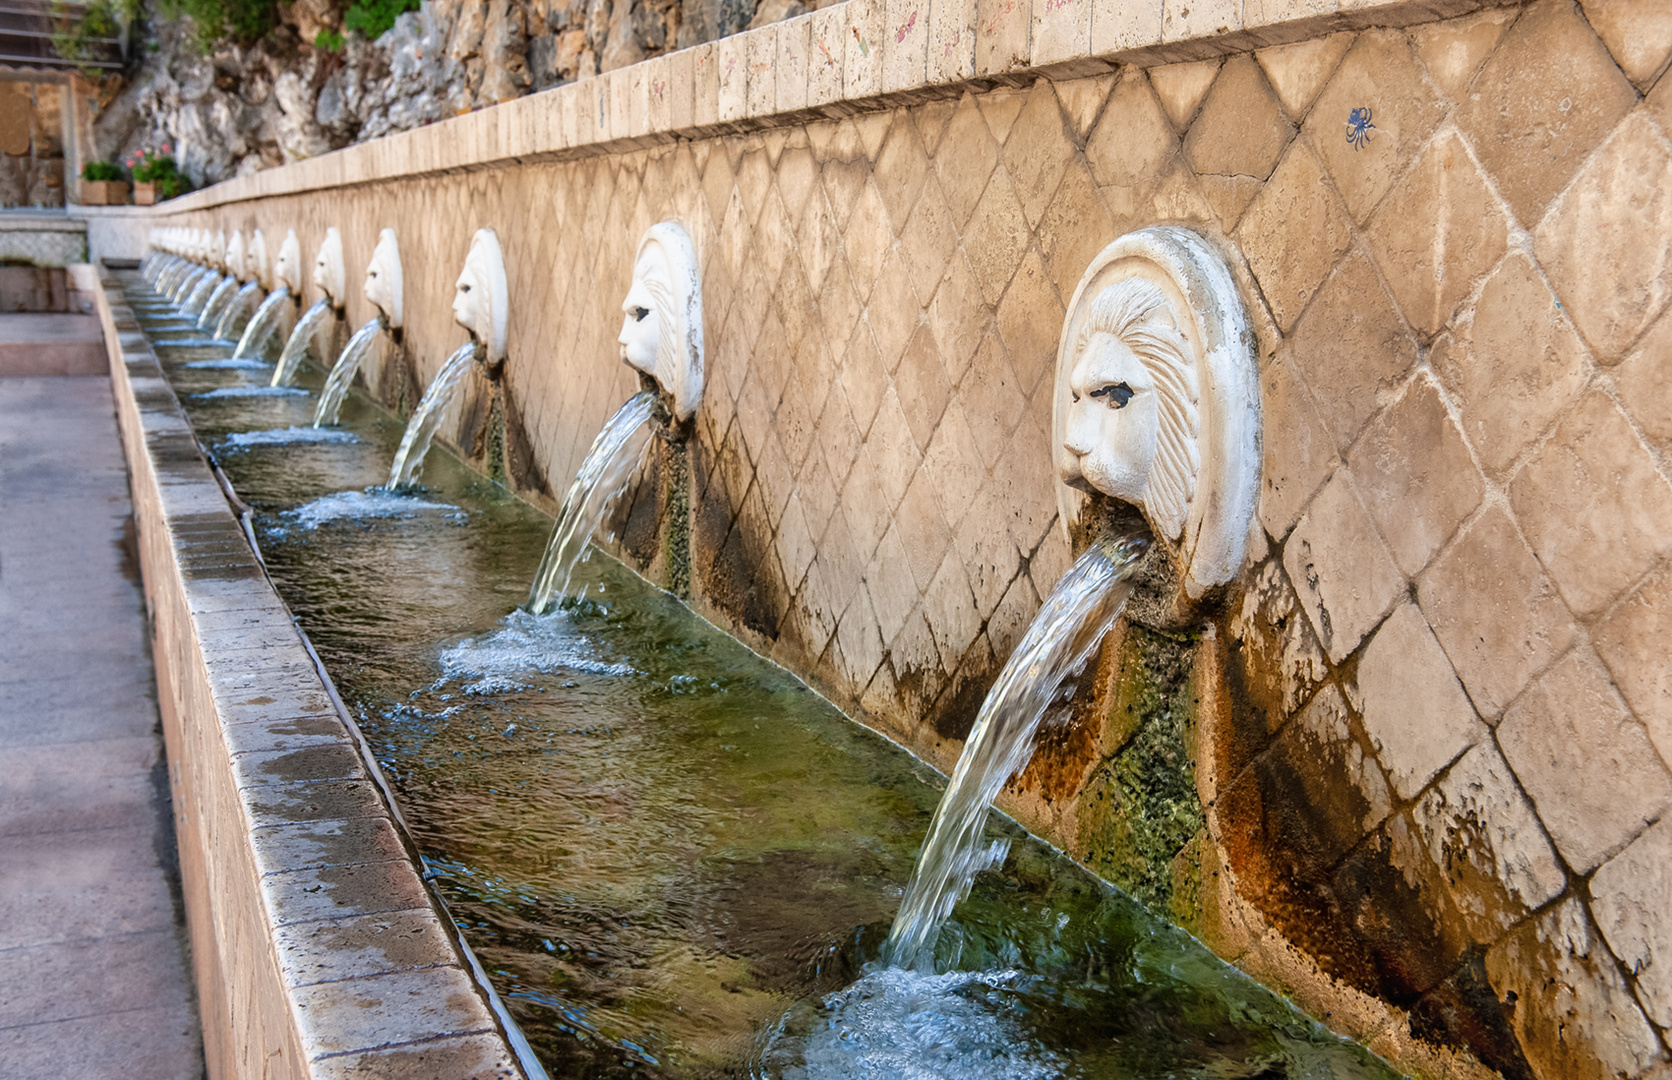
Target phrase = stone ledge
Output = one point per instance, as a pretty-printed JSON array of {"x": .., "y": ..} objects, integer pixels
[
  {"x": 790, "y": 73},
  {"x": 305, "y": 907}
]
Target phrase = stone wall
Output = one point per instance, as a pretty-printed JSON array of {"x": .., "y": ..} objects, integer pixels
[{"x": 1414, "y": 771}]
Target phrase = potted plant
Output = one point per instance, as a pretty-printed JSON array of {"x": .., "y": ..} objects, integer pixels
[
  {"x": 102, "y": 185},
  {"x": 156, "y": 177}
]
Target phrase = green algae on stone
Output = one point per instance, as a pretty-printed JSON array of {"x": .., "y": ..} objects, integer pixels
[{"x": 1140, "y": 807}]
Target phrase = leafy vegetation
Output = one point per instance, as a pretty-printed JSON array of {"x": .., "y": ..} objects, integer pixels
[
  {"x": 75, "y": 34},
  {"x": 242, "y": 21},
  {"x": 374, "y": 18},
  {"x": 160, "y": 169},
  {"x": 101, "y": 170}
]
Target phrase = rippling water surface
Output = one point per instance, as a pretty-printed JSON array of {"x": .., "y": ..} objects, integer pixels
[{"x": 672, "y": 857}]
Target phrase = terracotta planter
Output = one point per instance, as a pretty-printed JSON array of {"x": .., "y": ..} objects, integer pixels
[
  {"x": 104, "y": 192},
  {"x": 145, "y": 193}
]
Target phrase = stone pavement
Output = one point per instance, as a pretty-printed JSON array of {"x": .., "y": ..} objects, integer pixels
[
  {"x": 48, "y": 344},
  {"x": 93, "y": 970}
]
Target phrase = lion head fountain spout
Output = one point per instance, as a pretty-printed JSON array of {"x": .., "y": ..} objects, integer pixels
[
  {"x": 661, "y": 327},
  {"x": 481, "y": 296},
  {"x": 329, "y": 276},
  {"x": 383, "y": 280},
  {"x": 1157, "y": 404}
]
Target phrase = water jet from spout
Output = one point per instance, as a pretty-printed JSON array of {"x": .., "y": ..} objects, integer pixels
[
  {"x": 342, "y": 373},
  {"x": 300, "y": 338},
  {"x": 426, "y": 419}
]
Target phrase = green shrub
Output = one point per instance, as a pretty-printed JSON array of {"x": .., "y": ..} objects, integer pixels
[
  {"x": 242, "y": 21},
  {"x": 329, "y": 41},
  {"x": 101, "y": 170},
  {"x": 374, "y": 18},
  {"x": 73, "y": 31},
  {"x": 159, "y": 169}
]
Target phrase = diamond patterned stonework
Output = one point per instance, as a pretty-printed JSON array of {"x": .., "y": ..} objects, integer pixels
[{"x": 1443, "y": 670}]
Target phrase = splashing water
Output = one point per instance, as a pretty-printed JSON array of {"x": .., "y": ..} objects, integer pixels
[
  {"x": 251, "y": 391},
  {"x": 217, "y": 302},
  {"x": 285, "y": 436},
  {"x": 360, "y": 506},
  {"x": 1068, "y": 629},
  {"x": 263, "y": 325},
  {"x": 342, "y": 373},
  {"x": 409, "y": 459},
  {"x": 227, "y": 363},
  {"x": 604, "y": 474},
  {"x": 236, "y": 310},
  {"x": 300, "y": 338},
  {"x": 523, "y": 646}
]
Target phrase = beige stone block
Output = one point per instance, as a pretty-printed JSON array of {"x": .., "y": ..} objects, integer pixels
[
  {"x": 1593, "y": 506},
  {"x": 657, "y": 107},
  {"x": 1587, "y": 763},
  {"x": 1629, "y": 899},
  {"x": 1181, "y": 87},
  {"x": 1184, "y": 20},
  {"x": 1480, "y": 831},
  {"x": 1381, "y": 75},
  {"x": 1061, "y": 31},
  {"x": 825, "y": 49},
  {"x": 1297, "y": 72},
  {"x": 1029, "y": 321},
  {"x": 1235, "y": 142},
  {"x": 1297, "y": 452},
  {"x": 1293, "y": 233},
  {"x": 1414, "y": 709},
  {"x": 1574, "y": 1016},
  {"x": 862, "y": 48},
  {"x": 1495, "y": 613},
  {"x": 1038, "y": 151},
  {"x": 761, "y": 52},
  {"x": 1082, "y": 101},
  {"x": 996, "y": 236},
  {"x": 905, "y": 44},
  {"x": 953, "y": 463},
  {"x": 1546, "y": 98},
  {"x": 1001, "y": 36},
  {"x": 1415, "y": 476},
  {"x": 963, "y": 176},
  {"x": 1637, "y": 32},
  {"x": 1607, "y": 244},
  {"x": 731, "y": 72},
  {"x": 949, "y": 609},
  {"x": 1437, "y": 233},
  {"x": 794, "y": 56},
  {"x": 1076, "y": 226},
  {"x": 618, "y": 86},
  {"x": 922, "y": 386},
  {"x": 923, "y": 530},
  {"x": 867, "y": 238},
  {"x": 1344, "y": 576},
  {"x": 705, "y": 86},
  {"x": 1516, "y": 368},
  {"x": 1119, "y": 25},
  {"x": 681, "y": 89},
  {"x": 1454, "y": 49},
  {"x": 951, "y": 48},
  {"x": 1632, "y": 641},
  {"x": 1132, "y": 143},
  {"x": 958, "y": 331},
  {"x": 1643, "y": 384},
  {"x": 901, "y": 168},
  {"x": 1351, "y": 349},
  {"x": 1258, "y": 14}
]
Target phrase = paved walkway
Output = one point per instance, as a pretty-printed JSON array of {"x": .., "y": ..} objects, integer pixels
[
  {"x": 93, "y": 973},
  {"x": 51, "y": 345}
]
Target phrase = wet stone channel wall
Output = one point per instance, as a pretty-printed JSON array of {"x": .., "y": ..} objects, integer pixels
[
  {"x": 1414, "y": 771},
  {"x": 315, "y": 947}
]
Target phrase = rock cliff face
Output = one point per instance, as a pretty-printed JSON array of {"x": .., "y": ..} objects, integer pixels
[{"x": 239, "y": 109}]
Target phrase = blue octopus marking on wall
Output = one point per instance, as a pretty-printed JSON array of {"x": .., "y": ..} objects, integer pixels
[{"x": 1359, "y": 127}]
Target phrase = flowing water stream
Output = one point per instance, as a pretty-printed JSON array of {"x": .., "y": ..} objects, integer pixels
[
  {"x": 341, "y": 376},
  {"x": 300, "y": 338},
  {"x": 236, "y": 313},
  {"x": 212, "y": 308},
  {"x": 615, "y": 456},
  {"x": 427, "y": 417},
  {"x": 673, "y": 858},
  {"x": 262, "y": 325}
]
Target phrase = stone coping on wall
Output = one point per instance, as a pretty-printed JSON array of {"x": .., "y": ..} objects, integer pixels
[
  {"x": 317, "y": 949},
  {"x": 847, "y": 58}
]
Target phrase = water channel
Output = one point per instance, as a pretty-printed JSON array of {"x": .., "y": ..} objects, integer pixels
[{"x": 672, "y": 857}]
